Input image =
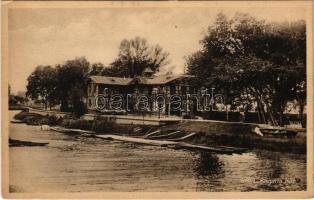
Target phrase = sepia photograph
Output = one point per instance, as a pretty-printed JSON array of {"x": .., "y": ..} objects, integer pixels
[{"x": 157, "y": 98}]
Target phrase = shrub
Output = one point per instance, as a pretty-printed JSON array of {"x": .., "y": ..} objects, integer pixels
[
  {"x": 79, "y": 109},
  {"x": 52, "y": 120},
  {"x": 37, "y": 119},
  {"x": 77, "y": 123},
  {"x": 188, "y": 116},
  {"x": 104, "y": 126},
  {"x": 24, "y": 114}
]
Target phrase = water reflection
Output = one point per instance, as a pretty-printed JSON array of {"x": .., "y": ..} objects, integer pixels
[
  {"x": 208, "y": 164},
  {"x": 209, "y": 171},
  {"x": 278, "y": 168}
]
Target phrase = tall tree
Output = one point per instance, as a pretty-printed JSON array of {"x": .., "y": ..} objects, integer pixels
[
  {"x": 72, "y": 82},
  {"x": 42, "y": 84},
  {"x": 97, "y": 69},
  {"x": 135, "y": 55},
  {"x": 250, "y": 57}
]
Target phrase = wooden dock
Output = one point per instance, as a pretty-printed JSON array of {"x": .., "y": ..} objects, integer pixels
[
  {"x": 137, "y": 140},
  {"x": 173, "y": 144}
]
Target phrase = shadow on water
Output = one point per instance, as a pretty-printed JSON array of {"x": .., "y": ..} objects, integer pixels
[
  {"x": 209, "y": 171},
  {"x": 277, "y": 167}
]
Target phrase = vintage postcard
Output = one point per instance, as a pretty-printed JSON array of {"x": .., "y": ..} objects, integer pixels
[{"x": 152, "y": 99}]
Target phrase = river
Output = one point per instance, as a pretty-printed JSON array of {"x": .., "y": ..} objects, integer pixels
[{"x": 71, "y": 163}]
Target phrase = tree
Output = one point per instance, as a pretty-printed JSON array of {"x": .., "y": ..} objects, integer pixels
[
  {"x": 97, "y": 69},
  {"x": 135, "y": 55},
  {"x": 252, "y": 58},
  {"x": 72, "y": 83},
  {"x": 42, "y": 84}
]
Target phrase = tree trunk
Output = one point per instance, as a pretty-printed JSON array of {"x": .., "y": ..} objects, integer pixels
[
  {"x": 259, "y": 115},
  {"x": 46, "y": 103},
  {"x": 301, "y": 110},
  {"x": 301, "y": 115},
  {"x": 226, "y": 105},
  {"x": 271, "y": 115},
  {"x": 260, "y": 106},
  {"x": 64, "y": 105},
  {"x": 262, "y": 111},
  {"x": 281, "y": 122}
]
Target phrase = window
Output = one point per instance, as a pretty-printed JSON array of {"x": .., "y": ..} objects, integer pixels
[
  {"x": 183, "y": 89},
  {"x": 155, "y": 90},
  {"x": 177, "y": 89}
]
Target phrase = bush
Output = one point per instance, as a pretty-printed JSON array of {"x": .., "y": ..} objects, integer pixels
[
  {"x": 25, "y": 114},
  {"x": 37, "y": 119},
  {"x": 107, "y": 125},
  {"x": 77, "y": 124},
  {"x": 103, "y": 125},
  {"x": 53, "y": 120},
  {"x": 79, "y": 109},
  {"x": 188, "y": 116}
]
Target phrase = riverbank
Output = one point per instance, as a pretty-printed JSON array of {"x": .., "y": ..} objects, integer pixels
[
  {"x": 239, "y": 135},
  {"x": 209, "y": 132}
]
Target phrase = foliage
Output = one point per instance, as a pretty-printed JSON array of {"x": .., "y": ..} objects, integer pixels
[
  {"x": 97, "y": 69},
  {"x": 37, "y": 119},
  {"x": 42, "y": 84},
  {"x": 250, "y": 61},
  {"x": 16, "y": 100},
  {"x": 72, "y": 83},
  {"x": 79, "y": 109},
  {"x": 135, "y": 55},
  {"x": 98, "y": 126},
  {"x": 22, "y": 115}
]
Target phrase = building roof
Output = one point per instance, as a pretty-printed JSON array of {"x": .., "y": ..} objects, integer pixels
[
  {"x": 163, "y": 79},
  {"x": 157, "y": 80},
  {"x": 111, "y": 80}
]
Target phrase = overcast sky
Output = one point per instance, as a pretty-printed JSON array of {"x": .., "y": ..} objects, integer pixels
[{"x": 51, "y": 36}]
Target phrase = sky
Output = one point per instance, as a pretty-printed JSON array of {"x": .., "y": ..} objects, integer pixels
[{"x": 49, "y": 36}]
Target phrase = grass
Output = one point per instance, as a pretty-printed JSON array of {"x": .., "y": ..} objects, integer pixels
[
  {"x": 36, "y": 119},
  {"x": 239, "y": 135},
  {"x": 100, "y": 125}
]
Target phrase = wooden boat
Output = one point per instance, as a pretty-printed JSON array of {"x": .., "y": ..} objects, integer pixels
[
  {"x": 278, "y": 132},
  {"x": 67, "y": 130},
  {"x": 184, "y": 137},
  {"x": 164, "y": 135},
  {"x": 15, "y": 121},
  {"x": 20, "y": 143},
  {"x": 152, "y": 133}
]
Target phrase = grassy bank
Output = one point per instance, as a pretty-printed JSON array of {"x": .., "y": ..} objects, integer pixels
[
  {"x": 37, "y": 119},
  {"x": 239, "y": 135},
  {"x": 100, "y": 125}
]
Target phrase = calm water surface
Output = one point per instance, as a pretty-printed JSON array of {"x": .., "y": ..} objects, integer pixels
[{"x": 76, "y": 163}]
